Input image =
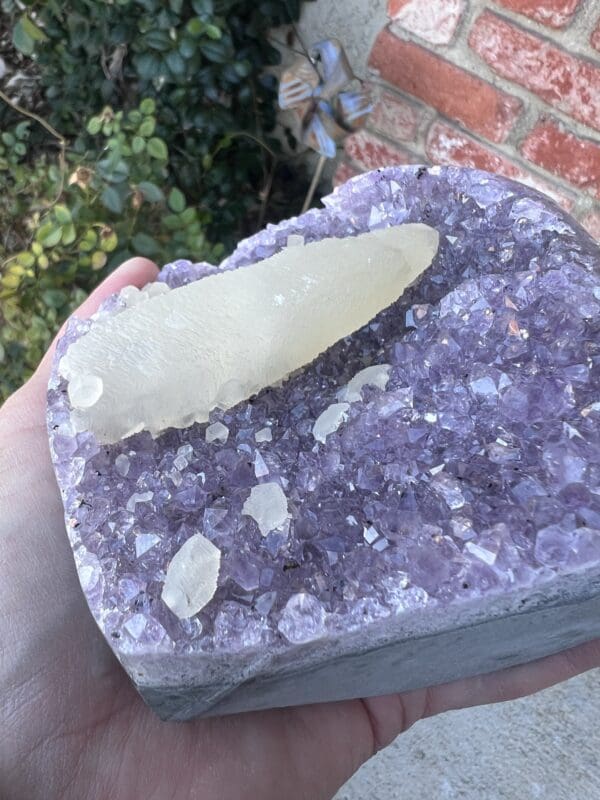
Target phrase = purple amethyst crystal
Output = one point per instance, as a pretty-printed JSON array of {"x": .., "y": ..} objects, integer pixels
[{"x": 450, "y": 526}]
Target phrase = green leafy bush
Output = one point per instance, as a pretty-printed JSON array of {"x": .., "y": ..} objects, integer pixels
[
  {"x": 202, "y": 61},
  {"x": 69, "y": 224},
  {"x": 154, "y": 141}
]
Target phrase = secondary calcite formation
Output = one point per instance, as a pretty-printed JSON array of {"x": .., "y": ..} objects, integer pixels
[{"x": 421, "y": 502}]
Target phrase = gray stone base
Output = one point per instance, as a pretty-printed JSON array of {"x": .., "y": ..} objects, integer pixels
[{"x": 545, "y": 627}]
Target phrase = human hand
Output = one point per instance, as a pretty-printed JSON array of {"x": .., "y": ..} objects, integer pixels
[{"x": 72, "y": 727}]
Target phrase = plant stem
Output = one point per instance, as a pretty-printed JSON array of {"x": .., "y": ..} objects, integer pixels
[
  {"x": 52, "y": 131},
  {"x": 265, "y": 195},
  {"x": 314, "y": 184},
  {"x": 32, "y": 115}
]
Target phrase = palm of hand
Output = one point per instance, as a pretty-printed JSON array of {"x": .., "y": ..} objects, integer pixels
[{"x": 71, "y": 724}]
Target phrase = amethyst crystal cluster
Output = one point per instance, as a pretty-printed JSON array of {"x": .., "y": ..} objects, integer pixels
[{"x": 451, "y": 525}]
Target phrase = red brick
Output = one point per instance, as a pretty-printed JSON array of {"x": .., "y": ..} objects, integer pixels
[
  {"x": 456, "y": 93},
  {"x": 371, "y": 152},
  {"x": 434, "y": 20},
  {"x": 554, "y": 13},
  {"x": 595, "y": 40},
  {"x": 394, "y": 117},
  {"x": 448, "y": 145},
  {"x": 343, "y": 173},
  {"x": 561, "y": 79},
  {"x": 574, "y": 159},
  {"x": 592, "y": 224}
]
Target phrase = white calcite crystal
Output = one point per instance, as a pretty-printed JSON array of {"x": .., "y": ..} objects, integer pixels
[
  {"x": 370, "y": 534},
  {"x": 122, "y": 465},
  {"x": 85, "y": 389},
  {"x": 138, "y": 497},
  {"x": 145, "y": 542},
  {"x": 260, "y": 466},
  {"x": 132, "y": 296},
  {"x": 330, "y": 420},
  {"x": 217, "y": 432},
  {"x": 268, "y": 507},
  {"x": 161, "y": 364},
  {"x": 192, "y": 576},
  {"x": 264, "y": 435},
  {"x": 377, "y": 375}
]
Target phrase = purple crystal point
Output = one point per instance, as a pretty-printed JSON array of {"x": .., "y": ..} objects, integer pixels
[{"x": 449, "y": 526}]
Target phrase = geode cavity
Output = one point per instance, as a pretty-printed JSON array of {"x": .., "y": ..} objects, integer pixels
[{"x": 449, "y": 527}]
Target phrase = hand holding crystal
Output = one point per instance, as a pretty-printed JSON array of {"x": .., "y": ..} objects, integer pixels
[{"x": 72, "y": 725}]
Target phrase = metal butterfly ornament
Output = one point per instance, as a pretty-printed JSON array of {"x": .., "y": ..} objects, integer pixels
[{"x": 313, "y": 87}]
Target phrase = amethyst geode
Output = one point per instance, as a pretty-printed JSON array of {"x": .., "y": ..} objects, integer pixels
[{"x": 451, "y": 525}]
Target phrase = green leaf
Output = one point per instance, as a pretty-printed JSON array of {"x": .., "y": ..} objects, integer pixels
[
  {"x": 79, "y": 28},
  {"x": 26, "y": 259},
  {"x": 112, "y": 200},
  {"x": 175, "y": 63},
  {"x": 52, "y": 238},
  {"x": 176, "y": 201},
  {"x": 188, "y": 216},
  {"x": 215, "y": 51},
  {"x": 158, "y": 149},
  {"x": 22, "y": 40},
  {"x": 138, "y": 145},
  {"x": 89, "y": 241},
  {"x": 54, "y": 298},
  {"x": 99, "y": 259},
  {"x": 147, "y": 127},
  {"x": 120, "y": 172},
  {"x": 62, "y": 214},
  {"x": 43, "y": 231},
  {"x": 108, "y": 240},
  {"x": 152, "y": 193},
  {"x": 243, "y": 68},
  {"x": 213, "y": 32},
  {"x": 148, "y": 106},
  {"x": 196, "y": 244},
  {"x": 157, "y": 40},
  {"x": 22, "y": 130},
  {"x": 172, "y": 222},
  {"x": 32, "y": 30},
  {"x": 134, "y": 117},
  {"x": 195, "y": 27},
  {"x": 187, "y": 47},
  {"x": 148, "y": 66},
  {"x": 69, "y": 234},
  {"x": 203, "y": 7},
  {"x": 94, "y": 126},
  {"x": 144, "y": 244}
]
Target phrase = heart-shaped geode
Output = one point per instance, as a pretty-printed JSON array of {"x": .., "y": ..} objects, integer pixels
[{"x": 450, "y": 526}]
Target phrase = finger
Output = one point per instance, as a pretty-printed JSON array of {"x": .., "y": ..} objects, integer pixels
[
  {"x": 135, "y": 272},
  {"x": 387, "y": 717},
  {"x": 515, "y": 682}
]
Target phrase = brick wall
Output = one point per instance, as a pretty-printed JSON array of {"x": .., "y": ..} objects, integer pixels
[{"x": 511, "y": 86}]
